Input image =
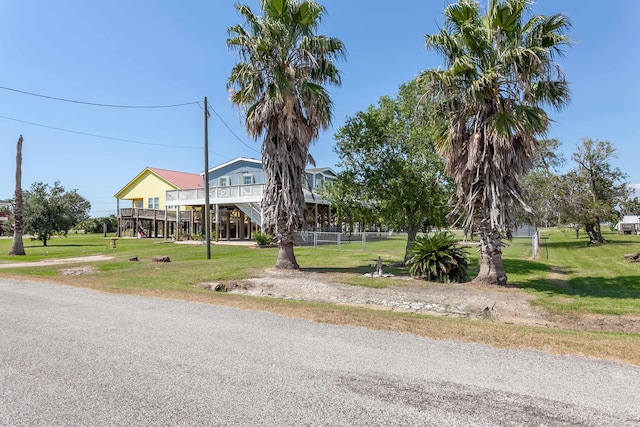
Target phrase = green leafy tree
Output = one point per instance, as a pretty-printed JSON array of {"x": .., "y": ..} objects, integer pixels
[
  {"x": 50, "y": 211},
  {"x": 594, "y": 191},
  {"x": 390, "y": 163},
  {"x": 499, "y": 73},
  {"x": 541, "y": 186},
  {"x": 631, "y": 206},
  {"x": 348, "y": 203},
  {"x": 279, "y": 85},
  {"x": 5, "y": 212},
  {"x": 96, "y": 225}
]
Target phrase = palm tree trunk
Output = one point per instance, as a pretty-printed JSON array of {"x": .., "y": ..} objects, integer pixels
[
  {"x": 286, "y": 256},
  {"x": 285, "y": 238},
  {"x": 17, "y": 246},
  {"x": 491, "y": 267}
]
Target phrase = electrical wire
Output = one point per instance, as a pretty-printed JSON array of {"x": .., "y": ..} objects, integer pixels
[
  {"x": 97, "y": 104},
  {"x": 229, "y": 128},
  {"x": 122, "y": 106},
  {"x": 108, "y": 137}
]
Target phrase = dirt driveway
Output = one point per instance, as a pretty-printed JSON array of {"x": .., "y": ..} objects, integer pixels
[
  {"x": 505, "y": 305},
  {"x": 60, "y": 261}
]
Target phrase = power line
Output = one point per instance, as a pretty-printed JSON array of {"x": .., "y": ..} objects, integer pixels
[
  {"x": 104, "y": 137},
  {"x": 97, "y": 136},
  {"x": 229, "y": 129},
  {"x": 97, "y": 104},
  {"x": 122, "y": 106}
]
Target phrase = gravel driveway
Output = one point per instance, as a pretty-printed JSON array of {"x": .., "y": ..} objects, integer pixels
[{"x": 72, "y": 356}]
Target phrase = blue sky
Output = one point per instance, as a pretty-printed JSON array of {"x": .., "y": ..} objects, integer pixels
[{"x": 147, "y": 52}]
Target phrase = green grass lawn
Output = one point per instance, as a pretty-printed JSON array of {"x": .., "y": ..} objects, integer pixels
[{"x": 570, "y": 276}]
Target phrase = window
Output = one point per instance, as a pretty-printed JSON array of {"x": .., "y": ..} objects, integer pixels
[
  {"x": 247, "y": 179},
  {"x": 223, "y": 181},
  {"x": 153, "y": 203}
]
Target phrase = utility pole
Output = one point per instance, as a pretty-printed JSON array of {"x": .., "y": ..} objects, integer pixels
[{"x": 207, "y": 209}]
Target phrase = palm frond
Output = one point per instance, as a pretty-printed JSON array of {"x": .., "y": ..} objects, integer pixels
[{"x": 500, "y": 73}]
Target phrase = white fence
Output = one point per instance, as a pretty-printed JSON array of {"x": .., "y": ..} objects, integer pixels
[
  {"x": 341, "y": 241},
  {"x": 535, "y": 244}
]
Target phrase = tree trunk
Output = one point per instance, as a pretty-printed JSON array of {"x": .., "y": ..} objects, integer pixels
[
  {"x": 594, "y": 233},
  {"x": 491, "y": 267},
  {"x": 286, "y": 257},
  {"x": 17, "y": 246},
  {"x": 412, "y": 232}
]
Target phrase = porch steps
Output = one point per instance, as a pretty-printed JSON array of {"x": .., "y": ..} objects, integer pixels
[{"x": 252, "y": 210}]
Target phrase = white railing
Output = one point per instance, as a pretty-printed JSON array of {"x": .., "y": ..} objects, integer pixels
[
  {"x": 197, "y": 194},
  {"x": 341, "y": 241},
  {"x": 535, "y": 244}
]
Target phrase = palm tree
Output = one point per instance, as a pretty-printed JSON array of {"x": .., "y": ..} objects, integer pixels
[
  {"x": 499, "y": 73},
  {"x": 17, "y": 246},
  {"x": 278, "y": 84}
]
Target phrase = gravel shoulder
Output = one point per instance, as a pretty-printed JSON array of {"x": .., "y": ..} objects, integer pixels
[{"x": 466, "y": 300}]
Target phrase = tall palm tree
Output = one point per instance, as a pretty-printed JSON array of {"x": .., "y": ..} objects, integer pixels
[
  {"x": 278, "y": 84},
  {"x": 17, "y": 246},
  {"x": 499, "y": 73}
]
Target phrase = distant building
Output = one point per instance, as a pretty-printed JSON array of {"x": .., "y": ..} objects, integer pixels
[{"x": 629, "y": 224}]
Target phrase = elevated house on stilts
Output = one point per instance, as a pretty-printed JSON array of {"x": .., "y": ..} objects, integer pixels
[{"x": 235, "y": 197}]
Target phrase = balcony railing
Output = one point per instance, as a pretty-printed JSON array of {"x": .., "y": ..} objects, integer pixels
[
  {"x": 215, "y": 193},
  {"x": 229, "y": 194}
]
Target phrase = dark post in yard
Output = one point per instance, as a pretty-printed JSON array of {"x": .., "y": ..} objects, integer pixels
[
  {"x": 207, "y": 213},
  {"x": 17, "y": 247}
]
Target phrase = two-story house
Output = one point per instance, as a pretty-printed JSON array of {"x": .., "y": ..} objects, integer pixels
[
  {"x": 149, "y": 215},
  {"x": 235, "y": 196}
]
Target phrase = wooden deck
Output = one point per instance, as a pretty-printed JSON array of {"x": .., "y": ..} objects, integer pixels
[{"x": 139, "y": 222}]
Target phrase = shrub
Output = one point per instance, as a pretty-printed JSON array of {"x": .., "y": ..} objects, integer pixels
[
  {"x": 436, "y": 257},
  {"x": 262, "y": 239}
]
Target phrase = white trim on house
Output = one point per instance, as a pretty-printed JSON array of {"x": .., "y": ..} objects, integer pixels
[
  {"x": 246, "y": 181},
  {"x": 230, "y": 162}
]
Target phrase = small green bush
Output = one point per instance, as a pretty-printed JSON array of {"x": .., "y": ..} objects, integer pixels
[
  {"x": 262, "y": 239},
  {"x": 436, "y": 257}
]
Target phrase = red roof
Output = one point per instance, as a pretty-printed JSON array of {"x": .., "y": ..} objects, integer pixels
[{"x": 180, "y": 179}]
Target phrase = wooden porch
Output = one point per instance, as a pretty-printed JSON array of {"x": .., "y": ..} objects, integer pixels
[{"x": 163, "y": 223}]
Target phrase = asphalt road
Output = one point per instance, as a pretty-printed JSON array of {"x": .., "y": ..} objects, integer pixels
[{"x": 72, "y": 356}]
